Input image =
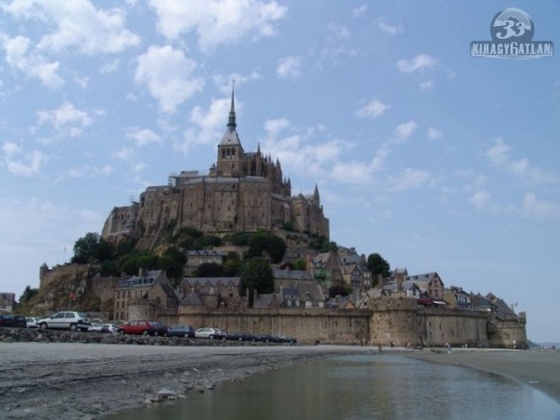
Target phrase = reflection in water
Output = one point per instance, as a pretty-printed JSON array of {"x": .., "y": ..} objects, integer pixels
[{"x": 362, "y": 387}]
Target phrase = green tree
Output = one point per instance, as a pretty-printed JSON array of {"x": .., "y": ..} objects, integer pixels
[
  {"x": 299, "y": 264},
  {"x": 210, "y": 270},
  {"x": 266, "y": 242},
  {"x": 343, "y": 289},
  {"x": 232, "y": 264},
  {"x": 173, "y": 269},
  {"x": 378, "y": 266},
  {"x": 257, "y": 275},
  {"x": 86, "y": 248},
  {"x": 27, "y": 294}
]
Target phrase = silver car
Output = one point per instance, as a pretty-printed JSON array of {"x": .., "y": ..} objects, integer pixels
[
  {"x": 214, "y": 333},
  {"x": 66, "y": 320}
]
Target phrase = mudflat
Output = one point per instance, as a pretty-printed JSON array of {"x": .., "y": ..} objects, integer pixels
[
  {"x": 86, "y": 381},
  {"x": 537, "y": 368}
]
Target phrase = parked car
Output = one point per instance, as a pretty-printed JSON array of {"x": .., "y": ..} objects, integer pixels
[
  {"x": 213, "y": 333},
  {"x": 181, "y": 331},
  {"x": 109, "y": 328},
  {"x": 17, "y": 321},
  {"x": 265, "y": 338},
  {"x": 66, "y": 320},
  {"x": 95, "y": 327},
  {"x": 287, "y": 339},
  {"x": 240, "y": 336},
  {"x": 32, "y": 322},
  {"x": 143, "y": 328}
]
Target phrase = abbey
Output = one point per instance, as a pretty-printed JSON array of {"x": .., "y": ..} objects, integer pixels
[{"x": 242, "y": 192}]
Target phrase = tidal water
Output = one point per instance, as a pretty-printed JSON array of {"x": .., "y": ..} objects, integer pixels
[{"x": 377, "y": 386}]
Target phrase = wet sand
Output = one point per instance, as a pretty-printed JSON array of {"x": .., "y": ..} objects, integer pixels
[
  {"x": 88, "y": 381},
  {"x": 66, "y": 381},
  {"x": 536, "y": 368}
]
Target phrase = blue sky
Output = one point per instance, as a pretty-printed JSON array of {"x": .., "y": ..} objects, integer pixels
[{"x": 437, "y": 160}]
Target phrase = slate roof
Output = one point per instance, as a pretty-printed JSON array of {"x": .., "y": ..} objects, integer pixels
[
  {"x": 192, "y": 299},
  {"x": 211, "y": 281},
  {"x": 292, "y": 275}
]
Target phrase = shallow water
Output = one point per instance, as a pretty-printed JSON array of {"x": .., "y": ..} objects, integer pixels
[{"x": 362, "y": 387}]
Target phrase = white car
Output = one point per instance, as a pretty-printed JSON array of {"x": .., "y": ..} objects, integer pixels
[
  {"x": 95, "y": 327},
  {"x": 32, "y": 322},
  {"x": 66, "y": 320},
  {"x": 214, "y": 333},
  {"x": 109, "y": 328}
]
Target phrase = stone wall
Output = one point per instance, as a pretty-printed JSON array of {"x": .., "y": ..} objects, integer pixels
[
  {"x": 336, "y": 326},
  {"x": 507, "y": 331},
  {"x": 402, "y": 321},
  {"x": 398, "y": 321}
]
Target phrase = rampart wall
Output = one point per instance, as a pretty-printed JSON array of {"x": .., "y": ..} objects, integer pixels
[
  {"x": 398, "y": 321},
  {"x": 309, "y": 326}
]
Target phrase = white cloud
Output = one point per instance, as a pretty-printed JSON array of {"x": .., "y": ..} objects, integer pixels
[
  {"x": 168, "y": 74},
  {"x": 480, "y": 199},
  {"x": 338, "y": 31},
  {"x": 373, "y": 110},
  {"x": 139, "y": 167},
  {"x": 434, "y": 133},
  {"x": 274, "y": 127},
  {"x": 428, "y": 85},
  {"x": 408, "y": 178},
  {"x": 77, "y": 24},
  {"x": 418, "y": 63},
  {"x": 217, "y": 22},
  {"x": 67, "y": 119},
  {"x": 33, "y": 65},
  {"x": 89, "y": 171},
  {"x": 359, "y": 10},
  {"x": 289, "y": 67},
  {"x": 21, "y": 164},
  {"x": 143, "y": 136},
  {"x": 208, "y": 125},
  {"x": 223, "y": 82},
  {"x": 390, "y": 29},
  {"x": 539, "y": 209},
  {"x": 110, "y": 67},
  {"x": 124, "y": 154},
  {"x": 405, "y": 130},
  {"x": 500, "y": 155}
]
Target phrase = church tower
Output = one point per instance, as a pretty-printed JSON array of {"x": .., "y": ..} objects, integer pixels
[{"x": 230, "y": 151}]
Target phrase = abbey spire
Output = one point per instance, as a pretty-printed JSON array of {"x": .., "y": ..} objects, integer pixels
[
  {"x": 232, "y": 124},
  {"x": 230, "y": 150}
]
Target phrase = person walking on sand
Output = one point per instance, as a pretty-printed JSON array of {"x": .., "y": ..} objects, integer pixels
[{"x": 448, "y": 347}]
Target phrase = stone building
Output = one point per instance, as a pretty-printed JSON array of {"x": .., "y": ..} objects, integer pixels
[
  {"x": 147, "y": 289},
  {"x": 242, "y": 192},
  {"x": 7, "y": 301},
  {"x": 196, "y": 258}
]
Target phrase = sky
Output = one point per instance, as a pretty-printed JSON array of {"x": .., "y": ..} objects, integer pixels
[{"x": 437, "y": 160}]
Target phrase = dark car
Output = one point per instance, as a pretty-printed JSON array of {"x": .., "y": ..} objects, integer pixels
[
  {"x": 17, "y": 321},
  {"x": 143, "y": 328},
  {"x": 265, "y": 338},
  {"x": 181, "y": 331},
  {"x": 240, "y": 336},
  {"x": 287, "y": 339}
]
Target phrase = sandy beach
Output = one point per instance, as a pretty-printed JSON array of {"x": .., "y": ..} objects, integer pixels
[{"x": 87, "y": 381}]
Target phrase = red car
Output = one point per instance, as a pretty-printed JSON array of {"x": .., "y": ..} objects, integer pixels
[{"x": 143, "y": 328}]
